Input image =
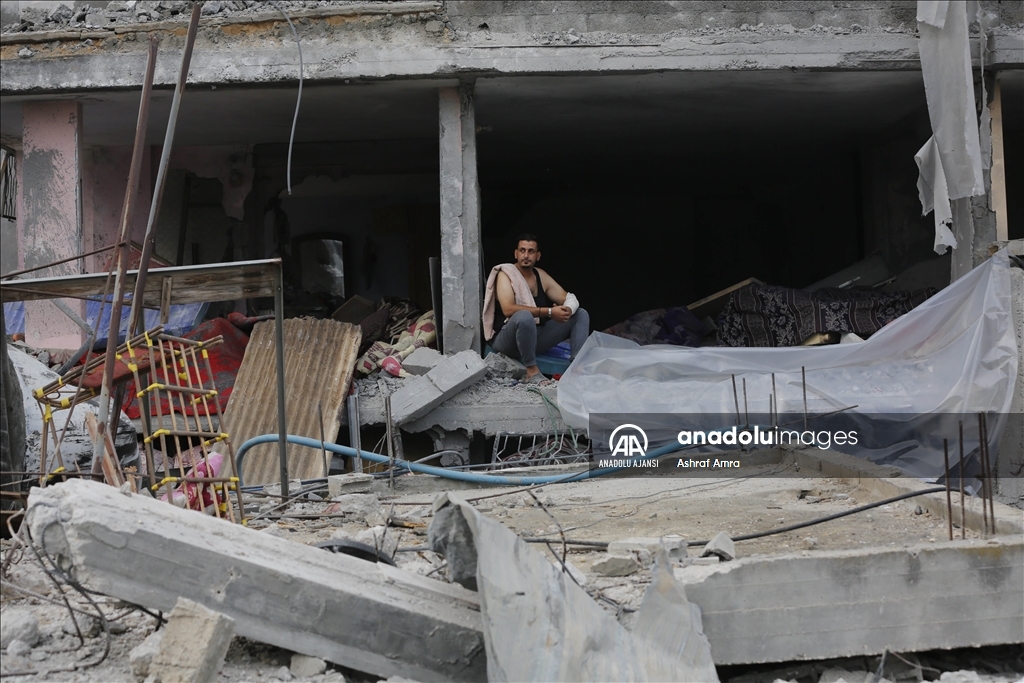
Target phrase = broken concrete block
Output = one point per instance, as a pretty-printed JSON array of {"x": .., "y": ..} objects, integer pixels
[
  {"x": 722, "y": 546},
  {"x": 141, "y": 656},
  {"x": 279, "y": 592},
  {"x": 303, "y": 666},
  {"x": 446, "y": 379},
  {"x": 616, "y": 565},
  {"x": 504, "y": 366},
  {"x": 19, "y": 624},
  {"x": 194, "y": 644},
  {"x": 675, "y": 545},
  {"x": 363, "y": 507},
  {"x": 350, "y": 482},
  {"x": 421, "y": 361}
]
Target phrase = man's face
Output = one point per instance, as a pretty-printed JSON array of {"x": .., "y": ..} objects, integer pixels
[{"x": 527, "y": 254}]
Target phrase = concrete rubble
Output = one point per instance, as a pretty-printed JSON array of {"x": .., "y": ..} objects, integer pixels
[
  {"x": 193, "y": 645},
  {"x": 446, "y": 379},
  {"x": 751, "y": 609}
]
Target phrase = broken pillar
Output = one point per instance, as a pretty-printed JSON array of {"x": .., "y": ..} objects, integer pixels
[
  {"x": 194, "y": 644},
  {"x": 363, "y": 615},
  {"x": 50, "y": 214},
  {"x": 461, "y": 258},
  {"x": 421, "y": 395}
]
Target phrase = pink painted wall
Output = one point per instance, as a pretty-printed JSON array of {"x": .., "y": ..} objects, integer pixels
[
  {"x": 104, "y": 181},
  {"x": 49, "y": 212}
]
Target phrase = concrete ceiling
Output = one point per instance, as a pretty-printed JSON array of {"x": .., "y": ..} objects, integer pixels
[{"x": 524, "y": 117}]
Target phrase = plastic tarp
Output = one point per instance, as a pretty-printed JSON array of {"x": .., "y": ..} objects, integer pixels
[{"x": 954, "y": 355}]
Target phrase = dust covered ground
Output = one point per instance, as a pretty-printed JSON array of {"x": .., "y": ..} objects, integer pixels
[{"x": 395, "y": 521}]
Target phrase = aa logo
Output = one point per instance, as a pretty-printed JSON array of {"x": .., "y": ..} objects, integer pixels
[{"x": 626, "y": 441}]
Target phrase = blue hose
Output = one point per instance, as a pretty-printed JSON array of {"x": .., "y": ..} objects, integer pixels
[{"x": 471, "y": 477}]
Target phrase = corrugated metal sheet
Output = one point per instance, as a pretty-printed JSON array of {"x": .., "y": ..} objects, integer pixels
[{"x": 319, "y": 357}]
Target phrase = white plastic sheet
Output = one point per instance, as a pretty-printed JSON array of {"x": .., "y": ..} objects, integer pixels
[{"x": 954, "y": 354}]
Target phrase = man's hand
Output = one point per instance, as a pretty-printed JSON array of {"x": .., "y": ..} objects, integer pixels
[{"x": 561, "y": 313}]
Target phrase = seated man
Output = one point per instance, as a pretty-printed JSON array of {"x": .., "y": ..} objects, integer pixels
[{"x": 535, "y": 312}]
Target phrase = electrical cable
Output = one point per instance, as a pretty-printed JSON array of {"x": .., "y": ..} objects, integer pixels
[{"x": 298, "y": 99}]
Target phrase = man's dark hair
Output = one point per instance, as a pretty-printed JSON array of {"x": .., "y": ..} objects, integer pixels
[{"x": 527, "y": 237}]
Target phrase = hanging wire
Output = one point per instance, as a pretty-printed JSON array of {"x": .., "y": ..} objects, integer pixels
[{"x": 298, "y": 100}]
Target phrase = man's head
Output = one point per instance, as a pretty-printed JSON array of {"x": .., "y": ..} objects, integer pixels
[{"x": 527, "y": 252}]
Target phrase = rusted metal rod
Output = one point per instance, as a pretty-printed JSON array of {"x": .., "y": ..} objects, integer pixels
[
  {"x": 983, "y": 420},
  {"x": 120, "y": 285},
  {"x": 963, "y": 510},
  {"x": 949, "y": 497}
]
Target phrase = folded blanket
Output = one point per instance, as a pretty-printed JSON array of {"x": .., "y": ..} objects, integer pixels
[{"x": 766, "y": 315}]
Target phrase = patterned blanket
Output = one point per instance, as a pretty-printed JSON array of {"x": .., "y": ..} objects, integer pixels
[{"x": 765, "y": 315}]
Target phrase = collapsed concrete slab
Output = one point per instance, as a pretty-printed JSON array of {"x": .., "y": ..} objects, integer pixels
[
  {"x": 844, "y": 603},
  {"x": 421, "y": 395},
  {"x": 530, "y": 606},
  {"x": 366, "y": 616}
]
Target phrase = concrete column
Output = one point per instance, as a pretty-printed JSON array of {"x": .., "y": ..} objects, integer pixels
[
  {"x": 50, "y": 213},
  {"x": 461, "y": 265}
]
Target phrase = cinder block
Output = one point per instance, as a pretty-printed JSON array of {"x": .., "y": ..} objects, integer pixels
[
  {"x": 194, "y": 644},
  {"x": 465, "y": 8},
  {"x": 351, "y": 482},
  {"x": 642, "y": 24},
  {"x": 457, "y": 372},
  {"x": 447, "y": 378},
  {"x": 843, "y": 18},
  {"x": 421, "y": 361},
  {"x": 728, "y": 19}
]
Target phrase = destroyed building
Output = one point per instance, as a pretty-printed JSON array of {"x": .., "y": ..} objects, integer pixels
[{"x": 664, "y": 152}]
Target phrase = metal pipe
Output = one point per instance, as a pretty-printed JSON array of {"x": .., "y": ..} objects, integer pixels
[
  {"x": 149, "y": 242},
  {"x": 282, "y": 423},
  {"x": 963, "y": 510}
]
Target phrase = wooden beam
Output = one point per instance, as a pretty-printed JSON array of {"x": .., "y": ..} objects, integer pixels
[
  {"x": 192, "y": 284},
  {"x": 998, "y": 177},
  {"x": 360, "y": 614}
]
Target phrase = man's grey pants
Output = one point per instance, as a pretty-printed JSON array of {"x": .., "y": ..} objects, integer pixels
[{"x": 523, "y": 339}]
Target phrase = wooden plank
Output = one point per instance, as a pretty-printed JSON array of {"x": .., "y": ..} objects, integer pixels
[
  {"x": 713, "y": 305},
  {"x": 319, "y": 357},
  {"x": 301, "y": 598},
  {"x": 192, "y": 284},
  {"x": 999, "y": 166}
]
